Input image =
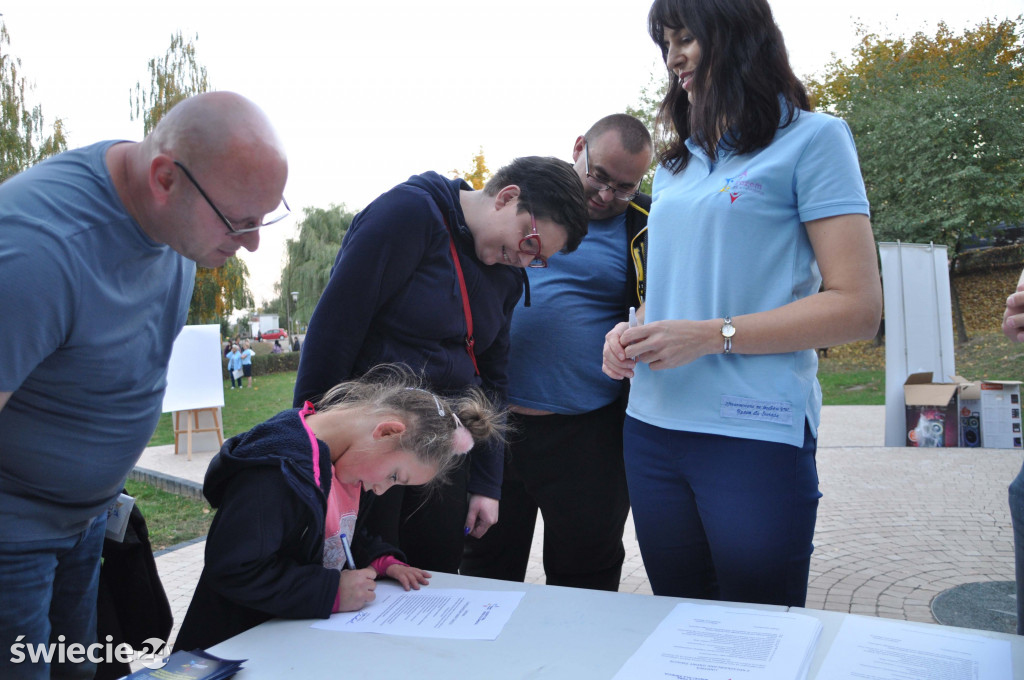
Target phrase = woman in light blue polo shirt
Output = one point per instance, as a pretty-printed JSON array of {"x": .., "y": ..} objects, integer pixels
[{"x": 757, "y": 203}]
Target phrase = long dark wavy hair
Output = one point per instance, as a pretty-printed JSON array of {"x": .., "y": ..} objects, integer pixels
[{"x": 743, "y": 86}]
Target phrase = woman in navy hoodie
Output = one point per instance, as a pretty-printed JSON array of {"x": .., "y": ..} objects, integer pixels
[{"x": 396, "y": 295}]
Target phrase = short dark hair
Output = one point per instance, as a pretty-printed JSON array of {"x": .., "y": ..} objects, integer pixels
[
  {"x": 549, "y": 188},
  {"x": 635, "y": 136},
  {"x": 743, "y": 82}
]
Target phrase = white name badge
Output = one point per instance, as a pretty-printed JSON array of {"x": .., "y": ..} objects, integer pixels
[
  {"x": 117, "y": 517},
  {"x": 778, "y": 412}
]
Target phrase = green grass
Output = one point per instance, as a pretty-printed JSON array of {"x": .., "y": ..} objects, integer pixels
[
  {"x": 243, "y": 408},
  {"x": 848, "y": 388},
  {"x": 170, "y": 518},
  {"x": 854, "y": 374}
]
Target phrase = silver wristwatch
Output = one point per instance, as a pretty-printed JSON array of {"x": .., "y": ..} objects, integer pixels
[{"x": 728, "y": 330}]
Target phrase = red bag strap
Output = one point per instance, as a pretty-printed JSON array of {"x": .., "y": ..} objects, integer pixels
[{"x": 465, "y": 300}]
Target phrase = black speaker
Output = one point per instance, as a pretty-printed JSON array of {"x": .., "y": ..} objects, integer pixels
[{"x": 970, "y": 430}]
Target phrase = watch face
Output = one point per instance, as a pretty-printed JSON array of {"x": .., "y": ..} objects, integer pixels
[{"x": 728, "y": 330}]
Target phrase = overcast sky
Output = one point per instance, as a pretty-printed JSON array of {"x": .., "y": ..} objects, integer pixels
[{"x": 365, "y": 94}]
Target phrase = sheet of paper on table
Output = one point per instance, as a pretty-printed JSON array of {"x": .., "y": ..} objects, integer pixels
[
  {"x": 883, "y": 649},
  {"x": 430, "y": 612},
  {"x": 712, "y": 642}
]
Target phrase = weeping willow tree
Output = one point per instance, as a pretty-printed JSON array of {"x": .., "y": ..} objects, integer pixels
[
  {"x": 175, "y": 77},
  {"x": 23, "y": 138},
  {"x": 308, "y": 262}
]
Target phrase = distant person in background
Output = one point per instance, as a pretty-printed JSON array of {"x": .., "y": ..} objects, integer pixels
[
  {"x": 235, "y": 366},
  {"x": 259, "y": 335},
  {"x": 104, "y": 242},
  {"x": 277, "y": 349},
  {"x": 446, "y": 268},
  {"x": 565, "y": 450},
  {"x": 296, "y": 345},
  {"x": 247, "y": 355},
  {"x": 1013, "y": 328}
]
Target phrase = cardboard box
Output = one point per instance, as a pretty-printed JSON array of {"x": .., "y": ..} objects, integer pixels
[
  {"x": 990, "y": 414},
  {"x": 932, "y": 412}
]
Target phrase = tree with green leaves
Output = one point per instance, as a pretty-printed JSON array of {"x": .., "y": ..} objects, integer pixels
[
  {"x": 938, "y": 125},
  {"x": 646, "y": 111},
  {"x": 23, "y": 138},
  {"x": 175, "y": 77},
  {"x": 308, "y": 262}
]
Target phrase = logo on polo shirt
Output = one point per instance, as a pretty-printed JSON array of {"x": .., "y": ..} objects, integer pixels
[{"x": 741, "y": 186}]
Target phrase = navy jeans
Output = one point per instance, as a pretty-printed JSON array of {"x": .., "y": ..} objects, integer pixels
[
  {"x": 48, "y": 589},
  {"x": 1017, "y": 517},
  {"x": 722, "y": 518}
]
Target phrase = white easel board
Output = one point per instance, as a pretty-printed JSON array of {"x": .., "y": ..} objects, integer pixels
[
  {"x": 194, "y": 375},
  {"x": 195, "y": 384}
]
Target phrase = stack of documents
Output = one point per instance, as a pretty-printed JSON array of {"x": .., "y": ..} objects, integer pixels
[{"x": 712, "y": 642}]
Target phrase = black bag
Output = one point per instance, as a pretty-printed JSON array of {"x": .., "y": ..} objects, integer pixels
[{"x": 132, "y": 605}]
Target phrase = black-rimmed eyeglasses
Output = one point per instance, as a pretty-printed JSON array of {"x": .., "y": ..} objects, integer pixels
[
  {"x": 282, "y": 212},
  {"x": 600, "y": 185}
]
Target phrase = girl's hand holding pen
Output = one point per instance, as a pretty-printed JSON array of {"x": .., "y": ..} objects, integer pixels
[{"x": 356, "y": 589}]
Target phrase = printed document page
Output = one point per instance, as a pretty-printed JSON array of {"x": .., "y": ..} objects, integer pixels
[
  {"x": 711, "y": 642},
  {"x": 430, "y": 612},
  {"x": 882, "y": 649}
]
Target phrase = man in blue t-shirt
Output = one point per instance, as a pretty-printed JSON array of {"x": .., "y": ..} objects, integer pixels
[
  {"x": 565, "y": 454},
  {"x": 98, "y": 249}
]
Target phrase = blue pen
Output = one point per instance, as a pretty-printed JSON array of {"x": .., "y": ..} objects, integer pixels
[{"x": 348, "y": 552}]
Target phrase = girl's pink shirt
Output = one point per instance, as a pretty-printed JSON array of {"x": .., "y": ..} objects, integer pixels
[{"x": 342, "y": 510}]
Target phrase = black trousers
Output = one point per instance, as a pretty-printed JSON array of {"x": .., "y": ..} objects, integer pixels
[
  {"x": 571, "y": 468},
  {"x": 429, "y": 527}
]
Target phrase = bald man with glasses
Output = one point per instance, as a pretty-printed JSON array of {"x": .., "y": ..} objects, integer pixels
[
  {"x": 98, "y": 252},
  {"x": 565, "y": 451}
]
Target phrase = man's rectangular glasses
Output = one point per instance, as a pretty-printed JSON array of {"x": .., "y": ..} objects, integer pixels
[
  {"x": 600, "y": 185},
  {"x": 282, "y": 212}
]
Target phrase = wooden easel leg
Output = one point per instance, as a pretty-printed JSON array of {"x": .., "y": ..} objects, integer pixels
[
  {"x": 191, "y": 414},
  {"x": 177, "y": 429},
  {"x": 216, "y": 425}
]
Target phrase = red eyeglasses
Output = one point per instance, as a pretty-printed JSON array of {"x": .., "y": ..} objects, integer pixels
[{"x": 531, "y": 245}]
